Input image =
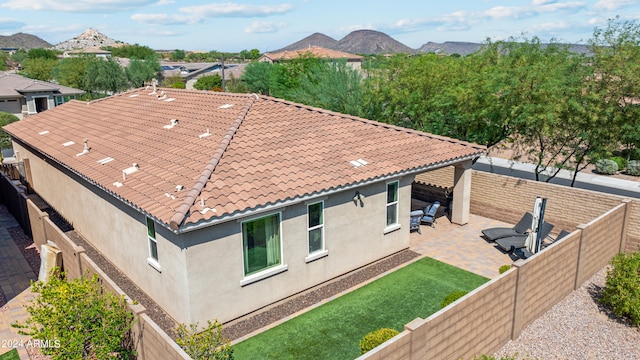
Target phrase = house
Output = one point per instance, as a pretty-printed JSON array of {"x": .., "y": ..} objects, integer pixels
[
  {"x": 354, "y": 61},
  {"x": 90, "y": 51},
  {"x": 191, "y": 72},
  {"x": 219, "y": 204},
  {"x": 23, "y": 96}
]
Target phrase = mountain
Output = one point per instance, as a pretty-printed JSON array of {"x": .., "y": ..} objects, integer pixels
[
  {"x": 89, "y": 38},
  {"x": 371, "y": 42},
  {"x": 315, "y": 39},
  {"x": 450, "y": 47},
  {"x": 23, "y": 41}
]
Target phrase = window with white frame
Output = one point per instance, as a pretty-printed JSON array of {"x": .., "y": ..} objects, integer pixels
[
  {"x": 153, "y": 244},
  {"x": 261, "y": 243},
  {"x": 392, "y": 203},
  {"x": 315, "y": 223}
]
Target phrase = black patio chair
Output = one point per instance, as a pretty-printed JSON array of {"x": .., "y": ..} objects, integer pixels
[
  {"x": 512, "y": 243},
  {"x": 414, "y": 222},
  {"x": 429, "y": 216},
  {"x": 521, "y": 228}
]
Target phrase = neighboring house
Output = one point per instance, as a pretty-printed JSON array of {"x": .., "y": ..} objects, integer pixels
[
  {"x": 354, "y": 61},
  {"x": 94, "y": 50},
  {"x": 218, "y": 204},
  {"x": 191, "y": 72},
  {"x": 23, "y": 96}
]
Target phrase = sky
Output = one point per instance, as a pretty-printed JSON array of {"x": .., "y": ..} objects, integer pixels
[{"x": 267, "y": 25}]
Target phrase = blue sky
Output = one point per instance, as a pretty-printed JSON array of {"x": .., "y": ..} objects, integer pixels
[{"x": 268, "y": 25}]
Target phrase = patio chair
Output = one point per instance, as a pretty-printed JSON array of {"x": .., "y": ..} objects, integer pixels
[
  {"x": 492, "y": 234},
  {"x": 430, "y": 211},
  {"x": 414, "y": 222},
  {"x": 524, "y": 253},
  {"x": 512, "y": 243}
]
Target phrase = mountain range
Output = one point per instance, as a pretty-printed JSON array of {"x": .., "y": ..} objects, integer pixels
[{"x": 357, "y": 42}]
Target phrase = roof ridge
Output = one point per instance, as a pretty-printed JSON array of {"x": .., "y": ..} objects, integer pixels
[
  {"x": 192, "y": 195},
  {"x": 378, "y": 123}
]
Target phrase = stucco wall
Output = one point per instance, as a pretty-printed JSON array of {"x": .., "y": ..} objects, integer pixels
[
  {"x": 353, "y": 237},
  {"x": 117, "y": 231}
]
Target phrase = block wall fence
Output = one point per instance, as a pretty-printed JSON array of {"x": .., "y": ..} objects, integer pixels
[
  {"x": 150, "y": 340},
  {"x": 481, "y": 322}
]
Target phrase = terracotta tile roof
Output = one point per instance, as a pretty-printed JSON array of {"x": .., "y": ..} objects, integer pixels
[
  {"x": 227, "y": 154},
  {"x": 12, "y": 85},
  {"x": 315, "y": 51}
]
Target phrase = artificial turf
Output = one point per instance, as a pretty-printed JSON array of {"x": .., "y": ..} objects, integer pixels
[
  {"x": 334, "y": 330},
  {"x": 11, "y": 355}
]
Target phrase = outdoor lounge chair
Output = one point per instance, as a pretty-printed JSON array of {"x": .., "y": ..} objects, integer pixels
[
  {"x": 524, "y": 253},
  {"x": 512, "y": 243},
  {"x": 520, "y": 228},
  {"x": 414, "y": 222},
  {"x": 429, "y": 216}
]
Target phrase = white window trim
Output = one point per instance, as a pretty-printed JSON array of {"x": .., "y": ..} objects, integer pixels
[
  {"x": 396, "y": 224},
  {"x": 248, "y": 279},
  {"x": 323, "y": 251},
  {"x": 150, "y": 260}
]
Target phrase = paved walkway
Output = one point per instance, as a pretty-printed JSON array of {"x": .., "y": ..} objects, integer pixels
[
  {"x": 462, "y": 246},
  {"x": 15, "y": 280}
]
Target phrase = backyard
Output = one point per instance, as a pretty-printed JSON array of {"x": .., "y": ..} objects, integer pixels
[{"x": 334, "y": 330}]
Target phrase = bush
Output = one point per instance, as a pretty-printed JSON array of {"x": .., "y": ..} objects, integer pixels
[
  {"x": 78, "y": 319},
  {"x": 606, "y": 166},
  {"x": 205, "y": 344},
  {"x": 633, "y": 167},
  {"x": 504, "y": 268},
  {"x": 375, "y": 338},
  {"x": 620, "y": 161},
  {"x": 451, "y": 298},
  {"x": 622, "y": 288},
  {"x": 6, "y": 119}
]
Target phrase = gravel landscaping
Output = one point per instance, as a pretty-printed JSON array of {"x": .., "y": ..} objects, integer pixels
[{"x": 577, "y": 328}]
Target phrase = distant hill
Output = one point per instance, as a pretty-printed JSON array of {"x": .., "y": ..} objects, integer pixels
[
  {"x": 315, "y": 39},
  {"x": 89, "y": 38},
  {"x": 371, "y": 42},
  {"x": 450, "y": 47},
  {"x": 23, "y": 41}
]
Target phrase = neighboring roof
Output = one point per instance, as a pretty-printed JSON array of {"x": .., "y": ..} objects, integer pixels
[
  {"x": 314, "y": 51},
  {"x": 12, "y": 85},
  {"x": 232, "y": 153}
]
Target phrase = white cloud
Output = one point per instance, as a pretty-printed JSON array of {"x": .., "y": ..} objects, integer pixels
[
  {"x": 562, "y": 6},
  {"x": 264, "y": 27},
  {"x": 236, "y": 10},
  {"x": 502, "y": 12},
  {"x": 542, "y": 2},
  {"x": 82, "y": 6},
  {"x": 613, "y": 4},
  {"x": 10, "y": 24},
  {"x": 165, "y": 19}
]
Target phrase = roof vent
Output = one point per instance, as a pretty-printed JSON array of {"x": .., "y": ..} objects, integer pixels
[
  {"x": 204, "y": 135},
  {"x": 68, "y": 143},
  {"x": 154, "y": 84},
  {"x": 43, "y": 132},
  {"x": 170, "y": 196},
  {"x": 170, "y": 99},
  {"x": 133, "y": 95},
  {"x": 130, "y": 170},
  {"x": 358, "y": 163},
  {"x": 105, "y": 160},
  {"x": 179, "y": 187},
  {"x": 226, "y": 106},
  {"x": 86, "y": 148},
  {"x": 117, "y": 184},
  {"x": 173, "y": 123}
]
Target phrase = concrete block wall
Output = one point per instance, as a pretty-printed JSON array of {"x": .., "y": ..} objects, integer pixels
[{"x": 151, "y": 341}]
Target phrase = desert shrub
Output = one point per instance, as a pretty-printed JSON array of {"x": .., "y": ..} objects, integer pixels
[
  {"x": 504, "y": 268},
  {"x": 633, "y": 167},
  {"x": 622, "y": 287},
  {"x": 78, "y": 319},
  {"x": 6, "y": 119},
  {"x": 375, "y": 338},
  {"x": 620, "y": 161},
  {"x": 451, "y": 298},
  {"x": 606, "y": 166},
  {"x": 208, "y": 343}
]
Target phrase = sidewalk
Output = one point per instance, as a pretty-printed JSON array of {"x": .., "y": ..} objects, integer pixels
[{"x": 15, "y": 278}]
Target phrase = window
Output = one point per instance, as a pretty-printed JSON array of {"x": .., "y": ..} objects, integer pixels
[
  {"x": 153, "y": 244},
  {"x": 315, "y": 214},
  {"x": 392, "y": 203},
  {"x": 261, "y": 244}
]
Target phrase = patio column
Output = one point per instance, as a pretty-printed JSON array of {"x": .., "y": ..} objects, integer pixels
[{"x": 461, "y": 193}]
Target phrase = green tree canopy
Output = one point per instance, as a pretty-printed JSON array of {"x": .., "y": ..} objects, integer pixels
[
  {"x": 6, "y": 119},
  {"x": 132, "y": 51},
  {"x": 105, "y": 76},
  {"x": 209, "y": 82},
  {"x": 71, "y": 72},
  {"x": 257, "y": 77},
  {"x": 140, "y": 71},
  {"x": 38, "y": 68}
]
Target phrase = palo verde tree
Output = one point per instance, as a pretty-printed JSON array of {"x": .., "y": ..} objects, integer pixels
[
  {"x": 105, "y": 77},
  {"x": 138, "y": 71},
  {"x": 78, "y": 320}
]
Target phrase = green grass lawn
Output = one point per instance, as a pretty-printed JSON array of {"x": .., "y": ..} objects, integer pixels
[
  {"x": 333, "y": 331},
  {"x": 11, "y": 355}
]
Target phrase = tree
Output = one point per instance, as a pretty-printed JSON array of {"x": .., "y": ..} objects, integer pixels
[
  {"x": 208, "y": 343},
  {"x": 209, "y": 82},
  {"x": 39, "y": 53},
  {"x": 6, "y": 119},
  {"x": 71, "y": 72},
  {"x": 173, "y": 81},
  {"x": 38, "y": 68},
  {"x": 105, "y": 76},
  {"x": 132, "y": 51},
  {"x": 78, "y": 319},
  {"x": 257, "y": 77},
  {"x": 3, "y": 60},
  {"x": 140, "y": 71},
  {"x": 177, "y": 55}
]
